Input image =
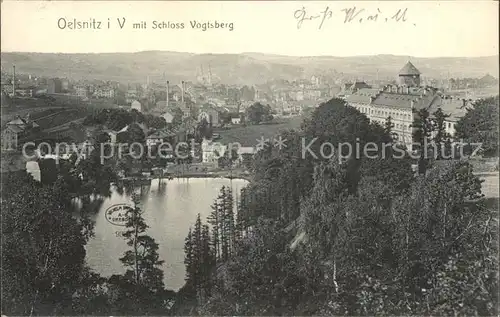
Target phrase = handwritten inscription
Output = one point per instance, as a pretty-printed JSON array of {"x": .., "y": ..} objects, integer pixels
[
  {"x": 350, "y": 15},
  {"x": 301, "y": 16}
]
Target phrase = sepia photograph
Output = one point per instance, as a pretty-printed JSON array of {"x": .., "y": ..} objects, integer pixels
[{"x": 249, "y": 158}]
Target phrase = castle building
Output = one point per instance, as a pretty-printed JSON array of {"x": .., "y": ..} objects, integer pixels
[
  {"x": 409, "y": 75},
  {"x": 400, "y": 102}
]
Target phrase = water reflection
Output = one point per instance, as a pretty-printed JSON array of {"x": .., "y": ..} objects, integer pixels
[{"x": 170, "y": 208}]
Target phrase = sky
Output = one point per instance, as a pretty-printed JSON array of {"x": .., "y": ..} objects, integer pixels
[{"x": 430, "y": 29}]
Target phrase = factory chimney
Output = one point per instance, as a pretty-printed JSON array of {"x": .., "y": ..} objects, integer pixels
[
  {"x": 14, "y": 81},
  {"x": 168, "y": 92},
  {"x": 182, "y": 96}
]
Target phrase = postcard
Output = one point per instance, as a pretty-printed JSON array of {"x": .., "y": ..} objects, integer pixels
[{"x": 249, "y": 158}]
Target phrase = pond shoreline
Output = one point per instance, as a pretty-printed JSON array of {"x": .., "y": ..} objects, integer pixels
[
  {"x": 169, "y": 211},
  {"x": 219, "y": 174}
]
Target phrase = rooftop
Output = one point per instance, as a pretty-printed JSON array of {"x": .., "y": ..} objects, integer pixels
[
  {"x": 363, "y": 95},
  {"x": 409, "y": 69},
  {"x": 356, "y": 85},
  {"x": 161, "y": 134}
]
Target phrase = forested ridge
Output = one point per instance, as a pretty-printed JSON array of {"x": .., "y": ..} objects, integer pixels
[
  {"x": 362, "y": 236},
  {"x": 308, "y": 236}
]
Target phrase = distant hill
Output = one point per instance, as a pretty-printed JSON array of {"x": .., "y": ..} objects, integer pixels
[{"x": 245, "y": 68}]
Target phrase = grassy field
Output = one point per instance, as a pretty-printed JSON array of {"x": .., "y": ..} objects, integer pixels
[
  {"x": 248, "y": 136},
  {"x": 62, "y": 117},
  {"x": 35, "y": 113},
  {"x": 49, "y": 117}
]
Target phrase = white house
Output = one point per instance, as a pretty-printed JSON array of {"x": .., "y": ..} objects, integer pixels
[
  {"x": 169, "y": 117},
  {"x": 136, "y": 105},
  {"x": 158, "y": 137},
  {"x": 33, "y": 168},
  {"x": 236, "y": 120}
]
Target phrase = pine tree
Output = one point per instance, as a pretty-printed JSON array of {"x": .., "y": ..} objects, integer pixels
[
  {"x": 197, "y": 254},
  {"x": 213, "y": 220},
  {"x": 208, "y": 260},
  {"x": 189, "y": 257},
  {"x": 240, "y": 215},
  {"x": 229, "y": 227},
  {"x": 143, "y": 260},
  {"x": 221, "y": 211},
  {"x": 200, "y": 260}
]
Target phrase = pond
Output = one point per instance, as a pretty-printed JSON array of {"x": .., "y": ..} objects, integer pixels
[{"x": 170, "y": 209}]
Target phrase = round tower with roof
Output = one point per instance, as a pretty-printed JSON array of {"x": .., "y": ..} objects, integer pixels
[{"x": 409, "y": 75}]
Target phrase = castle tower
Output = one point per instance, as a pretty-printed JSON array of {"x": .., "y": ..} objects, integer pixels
[{"x": 409, "y": 75}]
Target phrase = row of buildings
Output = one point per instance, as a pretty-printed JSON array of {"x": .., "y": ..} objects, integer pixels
[{"x": 399, "y": 101}]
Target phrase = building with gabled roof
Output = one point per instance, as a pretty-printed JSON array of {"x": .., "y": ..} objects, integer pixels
[
  {"x": 400, "y": 102},
  {"x": 136, "y": 105},
  {"x": 351, "y": 88},
  {"x": 211, "y": 114},
  {"x": 160, "y": 136},
  {"x": 363, "y": 95},
  {"x": 16, "y": 131}
]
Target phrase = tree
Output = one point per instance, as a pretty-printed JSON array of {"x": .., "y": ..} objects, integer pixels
[
  {"x": 228, "y": 158},
  {"x": 134, "y": 134},
  {"x": 200, "y": 261},
  {"x": 101, "y": 141},
  {"x": 389, "y": 125},
  {"x": 261, "y": 278},
  {"x": 228, "y": 227},
  {"x": 464, "y": 285},
  {"x": 258, "y": 113},
  {"x": 324, "y": 217},
  {"x": 78, "y": 132},
  {"x": 441, "y": 137},
  {"x": 215, "y": 221},
  {"x": 142, "y": 260},
  {"x": 137, "y": 116},
  {"x": 178, "y": 115},
  {"x": 100, "y": 137},
  {"x": 42, "y": 247},
  {"x": 94, "y": 177},
  {"x": 367, "y": 238},
  {"x": 189, "y": 257},
  {"x": 422, "y": 132},
  {"x": 203, "y": 130},
  {"x": 155, "y": 122},
  {"x": 480, "y": 125},
  {"x": 337, "y": 123}
]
